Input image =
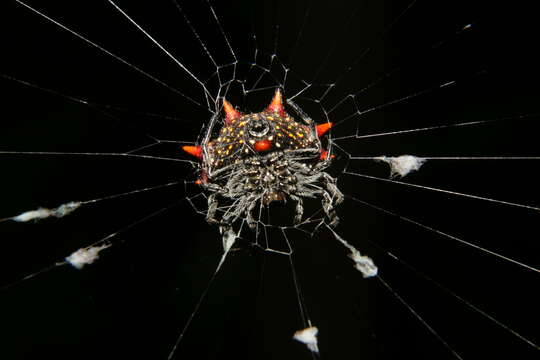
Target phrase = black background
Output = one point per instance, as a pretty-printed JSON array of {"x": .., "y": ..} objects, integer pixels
[{"x": 136, "y": 299}]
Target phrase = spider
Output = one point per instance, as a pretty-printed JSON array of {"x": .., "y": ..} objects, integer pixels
[{"x": 265, "y": 157}]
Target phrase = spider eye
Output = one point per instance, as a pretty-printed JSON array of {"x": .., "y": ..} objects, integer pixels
[{"x": 259, "y": 128}]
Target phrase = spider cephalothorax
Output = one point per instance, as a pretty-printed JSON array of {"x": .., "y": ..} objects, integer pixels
[{"x": 262, "y": 157}]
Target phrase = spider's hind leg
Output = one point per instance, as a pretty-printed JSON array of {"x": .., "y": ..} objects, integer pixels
[
  {"x": 212, "y": 208},
  {"x": 329, "y": 210},
  {"x": 330, "y": 184},
  {"x": 252, "y": 223},
  {"x": 331, "y": 198},
  {"x": 299, "y": 210},
  {"x": 240, "y": 208}
]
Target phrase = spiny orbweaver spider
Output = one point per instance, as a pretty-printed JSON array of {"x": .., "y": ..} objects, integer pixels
[{"x": 265, "y": 157}]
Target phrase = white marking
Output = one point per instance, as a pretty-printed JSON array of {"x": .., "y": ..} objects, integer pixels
[
  {"x": 228, "y": 240},
  {"x": 85, "y": 256},
  {"x": 43, "y": 213},
  {"x": 362, "y": 263},
  {"x": 402, "y": 165},
  {"x": 308, "y": 336}
]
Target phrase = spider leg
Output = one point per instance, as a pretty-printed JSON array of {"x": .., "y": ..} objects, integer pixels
[
  {"x": 225, "y": 224},
  {"x": 212, "y": 208},
  {"x": 239, "y": 209},
  {"x": 299, "y": 210},
  {"x": 328, "y": 201},
  {"x": 249, "y": 213},
  {"x": 331, "y": 197},
  {"x": 330, "y": 211},
  {"x": 300, "y": 112},
  {"x": 330, "y": 184}
]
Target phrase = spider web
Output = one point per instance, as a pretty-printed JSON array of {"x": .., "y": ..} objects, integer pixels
[{"x": 99, "y": 98}]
